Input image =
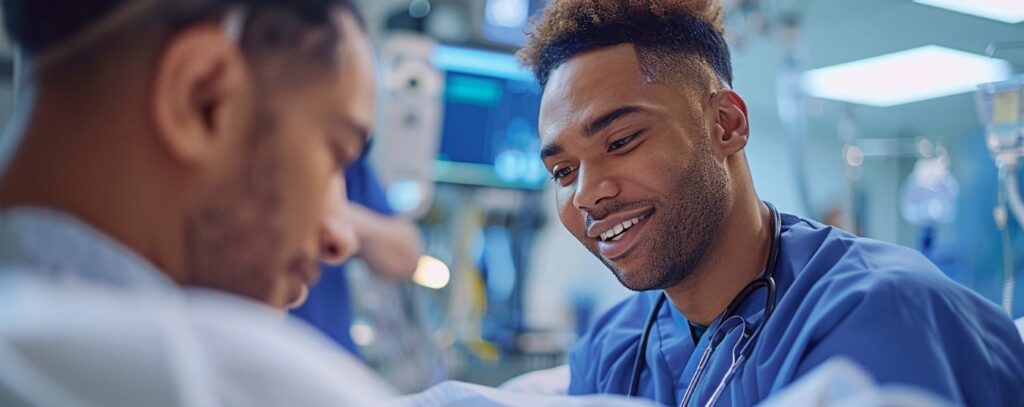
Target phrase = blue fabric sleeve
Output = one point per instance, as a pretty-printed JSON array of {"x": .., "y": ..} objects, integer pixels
[{"x": 364, "y": 188}]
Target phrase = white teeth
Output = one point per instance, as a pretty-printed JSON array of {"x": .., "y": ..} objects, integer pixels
[{"x": 615, "y": 233}]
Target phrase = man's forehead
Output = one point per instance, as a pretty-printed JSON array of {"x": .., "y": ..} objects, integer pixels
[
  {"x": 357, "y": 70},
  {"x": 588, "y": 85}
]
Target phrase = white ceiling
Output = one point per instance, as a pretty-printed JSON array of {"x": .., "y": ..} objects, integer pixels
[{"x": 837, "y": 31}]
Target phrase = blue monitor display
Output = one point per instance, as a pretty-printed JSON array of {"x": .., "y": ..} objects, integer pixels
[{"x": 489, "y": 128}]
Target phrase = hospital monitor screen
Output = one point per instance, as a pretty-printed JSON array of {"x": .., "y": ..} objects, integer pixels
[{"x": 489, "y": 125}]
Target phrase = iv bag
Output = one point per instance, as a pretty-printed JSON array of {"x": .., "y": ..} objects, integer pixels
[{"x": 1001, "y": 111}]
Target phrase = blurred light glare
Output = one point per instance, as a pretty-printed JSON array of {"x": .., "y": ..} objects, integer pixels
[
  {"x": 907, "y": 76},
  {"x": 431, "y": 273},
  {"x": 854, "y": 156},
  {"x": 483, "y": 63},
  {"x": 405, "y": 196},
  {"x": 928, "y": 196},
  {"x": 1007, "y": 11},
  {"x": 507, "y": 13},
  {"x": 419, "y": 8},
  {"x": 362, "y": 334},
  {"x": 510, "y": 165}
]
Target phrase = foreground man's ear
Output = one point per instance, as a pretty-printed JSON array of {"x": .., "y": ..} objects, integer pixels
[{"x": 200, "y": 93}]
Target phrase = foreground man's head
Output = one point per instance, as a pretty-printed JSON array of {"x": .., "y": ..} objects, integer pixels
[{"x": 205, "y": 135}]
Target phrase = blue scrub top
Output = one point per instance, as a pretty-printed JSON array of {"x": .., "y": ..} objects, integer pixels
[
  {"x": 884, "y": 306},
  {"x": 329, "y": 306}
]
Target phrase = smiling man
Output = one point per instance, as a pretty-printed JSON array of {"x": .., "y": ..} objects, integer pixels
[
  {"x": 644, "y": 138},
  {"x": 175, "y": 186}
]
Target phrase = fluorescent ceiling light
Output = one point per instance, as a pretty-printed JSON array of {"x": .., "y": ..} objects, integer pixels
[
  {"x": 903, "y": 77},
  {"x": 1007, "y": 11}
]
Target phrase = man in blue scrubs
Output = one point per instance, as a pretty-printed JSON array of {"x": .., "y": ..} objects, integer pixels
[
  {"x": 645, "y": 139},
  {"x": 390, "y": 246}
]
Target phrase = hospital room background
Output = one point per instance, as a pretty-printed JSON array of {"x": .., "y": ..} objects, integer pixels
[{"x": 866, "y": 114}]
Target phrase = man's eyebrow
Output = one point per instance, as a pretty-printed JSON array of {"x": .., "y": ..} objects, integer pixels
[
  {"x": 594, "y": 127},
  {"x": 607, "y": 119},
  {"x": 361, "y": 131},
  {"x": 362, "y": 134},
  {"x": 367, "y": 145},
  {"x": 550, "y": 150}
]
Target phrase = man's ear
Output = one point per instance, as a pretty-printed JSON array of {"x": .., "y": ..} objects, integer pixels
[
  {"x": 200, "y": 93},
  {"x": 730, "y": 131}
]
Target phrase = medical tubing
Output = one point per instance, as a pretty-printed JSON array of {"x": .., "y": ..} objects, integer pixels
[
  {"x": 1002, "y": 222},
  {"x": 1009, "y": 283},
  {"x": 1013, "y": 193},
  {"x": 725, "y": 382},
  {"x": 638, "y": 363}
]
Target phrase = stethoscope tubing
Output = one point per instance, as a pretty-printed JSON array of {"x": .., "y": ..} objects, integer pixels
[{"x": 767, "y": 282}]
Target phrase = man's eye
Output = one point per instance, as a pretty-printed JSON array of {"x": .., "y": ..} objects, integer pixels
[
  {"x": 337, "y": 152},
  {"x": 561, "y": 173},
  {"x": 622, "y": 142}
]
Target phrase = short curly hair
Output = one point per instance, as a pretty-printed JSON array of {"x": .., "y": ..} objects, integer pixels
[{"x": 661, "y": 30}]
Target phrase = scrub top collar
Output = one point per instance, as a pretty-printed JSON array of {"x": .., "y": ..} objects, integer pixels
[
  {"x": 753, "y": 308},
  {"x": 672, "y": 346},
  {"x": 53, "y": 244}
]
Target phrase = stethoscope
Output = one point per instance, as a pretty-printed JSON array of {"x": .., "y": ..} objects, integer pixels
[{"x": 766, "y": 281}]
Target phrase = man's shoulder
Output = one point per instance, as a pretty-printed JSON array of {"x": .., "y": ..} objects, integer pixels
[
  {"x": 891, "y": 310},
  {"x": 869, "y": 266},
  {"x": 829, "y": 255},
  {"x": 851, "y": 275},
  {"x": 843, "y": 273}
]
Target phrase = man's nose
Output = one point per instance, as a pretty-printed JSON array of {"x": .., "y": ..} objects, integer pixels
[
  {"x": 338, "y": 239},
  {"x": 592, "y": 188}
]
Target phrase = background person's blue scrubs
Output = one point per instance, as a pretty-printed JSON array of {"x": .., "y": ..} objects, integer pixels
[
  {"x": 329, "y": 306},
  {"x": 882, "y": 305}
]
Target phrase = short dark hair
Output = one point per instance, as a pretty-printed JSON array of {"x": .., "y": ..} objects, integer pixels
[
  {"x": 39, "y": 25},
  {"x": 655, "y": 27}
]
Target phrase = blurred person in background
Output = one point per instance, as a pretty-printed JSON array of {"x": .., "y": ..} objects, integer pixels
[{"x": 175, "y": 185}]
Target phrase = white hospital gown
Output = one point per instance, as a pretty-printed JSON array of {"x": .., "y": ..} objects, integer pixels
[{"x": 85, "y": 322}]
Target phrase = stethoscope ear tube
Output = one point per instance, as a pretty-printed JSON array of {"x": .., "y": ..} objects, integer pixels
[{"x": 638, "y": 364}]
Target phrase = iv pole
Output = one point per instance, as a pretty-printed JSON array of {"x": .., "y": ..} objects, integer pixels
[{"x": 1000, "y": 109}]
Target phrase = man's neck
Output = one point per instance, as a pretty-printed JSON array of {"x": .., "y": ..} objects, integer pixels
[
  {"x": 77, "y": 169},
  {"x": 737, "y": 255}
]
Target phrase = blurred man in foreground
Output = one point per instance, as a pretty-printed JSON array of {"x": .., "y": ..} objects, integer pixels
[{"x": 175, "y": 185}]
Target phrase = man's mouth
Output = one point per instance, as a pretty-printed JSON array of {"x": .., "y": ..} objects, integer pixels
[
  {"x": 619, "y": 238},
  {"x": 615, "y": 233}
]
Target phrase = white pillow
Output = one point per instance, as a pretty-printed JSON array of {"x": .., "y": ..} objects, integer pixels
[{"x": 553, "y": 381}]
